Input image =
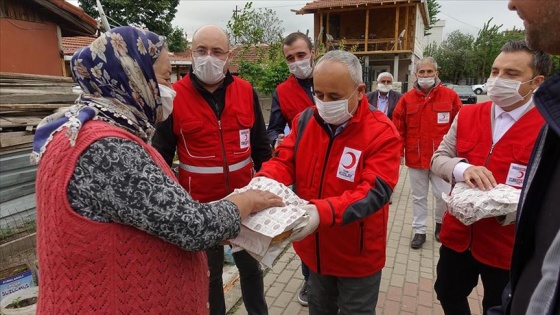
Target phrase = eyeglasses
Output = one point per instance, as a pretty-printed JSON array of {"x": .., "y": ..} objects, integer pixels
[{"x": 201, "y": 52}]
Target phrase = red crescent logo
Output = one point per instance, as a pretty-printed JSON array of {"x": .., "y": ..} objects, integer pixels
[
  {"x": 521, "y": 174},
  {"x": 353, "y": 160}
]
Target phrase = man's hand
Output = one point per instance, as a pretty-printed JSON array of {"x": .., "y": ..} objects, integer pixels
[
  {"x": 479, "y": 176},
  {"x": 312, "y": 224},
  {"x": 254, "y": 200}
]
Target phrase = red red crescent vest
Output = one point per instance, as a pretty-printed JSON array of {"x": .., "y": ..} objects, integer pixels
[
  {"x": 214, "y": 155},
  {"x": 489, "y": 241},
  {"x": 423, "y": 120},
  {"x": 293, "y": 99},
  {"x": 92, "y": 267}
]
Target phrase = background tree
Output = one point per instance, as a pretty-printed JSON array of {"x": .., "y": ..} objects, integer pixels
[
  {"x": 260, "y": 33},
  {"x": 153, "y": 15},
  {"x": 177, "y": 40},
  {"x": 433, "y": 10},
  {"x": 251, "y": 27},
  {"x": 463, "y": 58}
]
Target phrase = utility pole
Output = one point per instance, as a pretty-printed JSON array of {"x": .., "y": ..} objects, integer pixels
[
  {"x": 235, "y": 24},
  {"x": 103, "y": 17}
]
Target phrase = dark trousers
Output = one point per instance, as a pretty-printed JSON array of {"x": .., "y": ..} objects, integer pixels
[
  {"x": 305, "y": 271},
  {"x": 457, "y": 276},
  {"x": 352, "y": 296},
  {"x": 251, "y": 279}
]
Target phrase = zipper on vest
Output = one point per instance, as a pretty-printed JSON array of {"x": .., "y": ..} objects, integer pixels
[
  {"x": 226, "y": 169},
  {"x": 489, "y": 154}
]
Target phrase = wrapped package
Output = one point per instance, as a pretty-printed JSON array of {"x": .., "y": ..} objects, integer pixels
[
  {"x": 264, "y": 234},
  {"x": 469, "y": 205}
]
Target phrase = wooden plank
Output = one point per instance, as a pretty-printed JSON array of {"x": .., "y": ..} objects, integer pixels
[
  {"x": 28, "y": 242},
  {"x": 8, "y": 139},
  {"x": 6, "y": 122},
  {"x": 38, "y": 98},
  {"x": 24, "y": 76},
  {"x": 16, "y": 148},
  {"x": 17, "y": 191},
  {"x": 32, "y": 107}
]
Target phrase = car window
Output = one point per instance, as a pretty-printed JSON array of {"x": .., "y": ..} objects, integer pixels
[{"x": 463, "y": 89}]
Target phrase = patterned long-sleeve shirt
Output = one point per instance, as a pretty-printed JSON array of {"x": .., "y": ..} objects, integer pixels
[{"x": 116, "y": 181}]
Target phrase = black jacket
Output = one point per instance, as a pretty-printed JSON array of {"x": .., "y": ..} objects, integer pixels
[
  {"x": 535, "y": 214},
  {"x": 394, "y": 97}
]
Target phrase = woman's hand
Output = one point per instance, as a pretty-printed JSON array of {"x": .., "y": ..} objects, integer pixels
[{"x": 253, "y": 200}]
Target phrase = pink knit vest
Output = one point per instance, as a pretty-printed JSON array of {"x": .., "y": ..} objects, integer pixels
[{"x": 88, "y": 267}]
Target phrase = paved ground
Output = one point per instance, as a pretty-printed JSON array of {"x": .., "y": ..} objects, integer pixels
[{"x": 407, "y": 279}]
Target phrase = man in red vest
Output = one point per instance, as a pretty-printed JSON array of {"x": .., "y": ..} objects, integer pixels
[
  {"x": 290, "y": 98},
  {"x": 296, "y": 93},
  {"x": 488, "y": 144},
  {"x": 423, "y": 116},
  {"x": 218, "y": 130}
]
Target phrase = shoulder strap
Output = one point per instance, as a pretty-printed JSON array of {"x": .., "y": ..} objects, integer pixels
[{"x": 302, "y": 123}]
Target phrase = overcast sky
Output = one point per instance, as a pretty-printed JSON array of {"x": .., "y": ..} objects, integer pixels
[{"x": 467, "y": 16}]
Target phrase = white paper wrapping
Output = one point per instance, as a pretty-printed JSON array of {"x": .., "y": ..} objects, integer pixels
[
  {"x": 258, "y": 229},
  {"x": 472, "y": 204}
]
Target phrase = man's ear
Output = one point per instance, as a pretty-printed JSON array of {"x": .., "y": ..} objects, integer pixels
[
  {"x": 538, "y": 80},
  {"x": 361, "y": 90}
]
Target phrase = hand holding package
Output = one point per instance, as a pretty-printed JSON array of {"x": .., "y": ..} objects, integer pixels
[{"x": 469, "y": 205}]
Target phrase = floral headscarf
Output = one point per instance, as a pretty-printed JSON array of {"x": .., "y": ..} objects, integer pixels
[{"x": 119, "y": 86}]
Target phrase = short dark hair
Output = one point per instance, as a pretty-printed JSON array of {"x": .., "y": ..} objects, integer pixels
[
  {"x": 290, "y": 39},
  {"x": 542, "y": 62}
]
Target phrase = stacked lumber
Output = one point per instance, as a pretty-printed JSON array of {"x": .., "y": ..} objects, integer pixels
[{"x": 25, "y": 99}]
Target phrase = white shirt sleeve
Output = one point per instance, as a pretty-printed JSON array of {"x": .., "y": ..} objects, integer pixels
[{"x": 459, "y": 170}]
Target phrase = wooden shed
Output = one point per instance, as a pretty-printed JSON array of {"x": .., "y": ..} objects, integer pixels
[{"x": 32, "y": 86}]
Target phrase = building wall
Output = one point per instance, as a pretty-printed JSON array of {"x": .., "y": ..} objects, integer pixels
[
  {"x": 29, "y": 47},
  {"x": 436, "y": 34}
]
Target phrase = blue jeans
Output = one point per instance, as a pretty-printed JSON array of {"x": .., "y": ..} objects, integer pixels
[
  {"x": 352, "y": 296},
  {"x": 252, "y": 283}
]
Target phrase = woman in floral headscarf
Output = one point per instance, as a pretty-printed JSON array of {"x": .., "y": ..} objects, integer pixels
[{"x": 116, "y": 233}]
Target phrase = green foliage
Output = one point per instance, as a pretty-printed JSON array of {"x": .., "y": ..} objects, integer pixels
[
  {"x": 555, "y": 64},
  {"x": 251, "y": 27},
  {"x": 464, "y": 57},
  {"x": 268, "y": 71},
  {"x": 433, "y": 10},
  {"x": 153, "y": 15},
  {"x": 177, "y": 40}
]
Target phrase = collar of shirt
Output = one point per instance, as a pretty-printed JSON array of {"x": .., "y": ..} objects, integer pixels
[
  {"x": 515, "y": 114},
  {"x": 379, "y": 95}
]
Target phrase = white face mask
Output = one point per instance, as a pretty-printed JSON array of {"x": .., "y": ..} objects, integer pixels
[
  {"x": 503, "y": 92},
  {"x": 334, "y": 112},
  {"x": 384, "y": 88},
  {"x": 302, "y": 69},
  {"x": 167, "y": 96},
  {"x": 208, "y": 69},
  {"x": 426, "y": 82}
]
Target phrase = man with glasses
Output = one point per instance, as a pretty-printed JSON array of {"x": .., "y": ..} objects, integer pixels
[{"x": 218, "y": 130}]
